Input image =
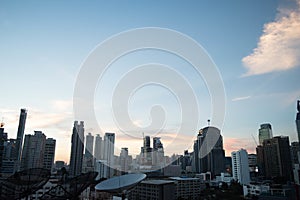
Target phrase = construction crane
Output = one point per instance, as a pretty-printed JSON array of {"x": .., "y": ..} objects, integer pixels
[{"x": 254, "y": 139}]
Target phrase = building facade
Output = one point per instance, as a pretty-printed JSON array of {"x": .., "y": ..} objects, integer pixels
[
  {"x": 33, "y": 151},
  {"x": 209, "y": 155},
  {"x": 277, "y": 157},
  {"x": 77, "y": 147},
  {"x": 264, "y": 132},
  {"x": 109, "y": 145},
  {"x": 240, "y": 166},
  {"x": 49, "y": 153}
]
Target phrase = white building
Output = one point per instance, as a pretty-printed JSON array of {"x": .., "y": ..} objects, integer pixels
[
  {"x": 102, "y": 169},
  {"x": 240, "y": 166},
  {"x": 109, "y": 145},
  {"x": 255, "y": 189}
]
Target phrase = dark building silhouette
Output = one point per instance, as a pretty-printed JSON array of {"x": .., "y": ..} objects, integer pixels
[
  {"x": 298, "y": 120},
  {"x": 3, "y": 139},
  {"x": 260, "y": 160},
  {"x": 276, "y": 157},
  {"x": 49, "y": 153},
  {"x": 295, "y": 148},
  {"x": 77, "y": 148},
  {"x": 209, "y": 155},
  {"x": 33, "y": 151},
  {"x": 146, "y": 152},
  {"x": 20, "y": 135}
]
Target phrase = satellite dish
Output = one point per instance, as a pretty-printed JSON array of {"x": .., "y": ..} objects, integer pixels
[{"x": 119, "y": 184}]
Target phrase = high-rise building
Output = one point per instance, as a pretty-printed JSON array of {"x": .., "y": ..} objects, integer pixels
[
  {"x": 260, "y": 160},
  {"x": 33, "y": 151},
  {"x": 252, "y": 160},
  {"x": 157, "y": 152},
  {"x": 77, "y": 148},
  {"x": 20, "y": 135},
  {"x": 98, "y": 151},
  {"x": 146, "y": 152},
  {"x": 240, "y": 166},
  {"x": 209, "y": 156},
  {"x": 49, "y": 153},
  {"x": 3, "y": 138},
  {"x": 295, "y": 148},
  {"x": 124, "y": 160},
  {"x": 109, "y": 145},
  {"x": 277, "y": 157},
  {"x": 88, "y": 154},
  {"x": 298, "y": 119},
  {"x": 265, "y": 132}
]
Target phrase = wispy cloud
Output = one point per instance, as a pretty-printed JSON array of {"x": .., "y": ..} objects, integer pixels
[
  {"x": 234, "y": 144},
  {"x": 241, "y": 98},
  {"x": 278, "y": 48}
]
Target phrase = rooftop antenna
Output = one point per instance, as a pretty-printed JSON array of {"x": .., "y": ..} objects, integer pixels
[{"x": 208, "y": 122}]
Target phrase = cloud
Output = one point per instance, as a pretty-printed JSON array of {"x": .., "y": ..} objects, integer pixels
[
  {"x": 234, "y": 144},
  {"x": 278, "y": 48},
  {"x": 241, "y": 98}
]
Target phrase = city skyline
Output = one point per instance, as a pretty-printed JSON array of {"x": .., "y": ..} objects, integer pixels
[{"x": 41, "y": 59}]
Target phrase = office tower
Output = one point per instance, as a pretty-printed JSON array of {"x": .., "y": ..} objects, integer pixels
[
  {"x": 98, "y": 151},
  {"x": 77, "y": 146},
  {"x": 252, "y": 160},
  {"x": 20, "y": 134},
  {"x": 49, "y": 153},
  {"x": 277, "y": 157},
  {"x": 146, "y": 152},
  {"x": 89, "y": 146},
  {"x": 265, "y": 132},
  {"x": 240, "y": 166},
  {"x": 124, "y": 160},
  {"x": 186, "y": 161},
  {"x": 109, "y": 145},
  {"x": 3, "y": 138},
  {"x": 260, "y": 160},
  {"x": 295, "y": 148},
  {"x": 298, "y": 120},
  {"x": 209, "y": 156},
  {"x": 157, "y": 152},
  {"x": 33, "y": 151}
]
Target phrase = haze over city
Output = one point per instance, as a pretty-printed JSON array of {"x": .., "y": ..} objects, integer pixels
[{"x": 44, "y": 44}]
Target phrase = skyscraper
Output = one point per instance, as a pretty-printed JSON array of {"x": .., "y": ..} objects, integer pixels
[
  {"x": 124, "y": 160},
  {"x": 146, "y": 152},
  {"x": 240, "y": 166},
  {"x": 277, "y": 157},
  {"x": 20, "y": 135},
  {"x": 298, "y": 119},
  {"x": 49, "y": 153},
  {"x": 109, "y": 145},
  {"x": 98, "y": 151},
  {"x": 157, "y": 152},
  {"x": 77, "y": 147},
  {"x": 33, "y": 151},
  {"x": 265, "y": 132},
  {"x": 212, "y": 160},
  {"x": 89, "y": 146}
]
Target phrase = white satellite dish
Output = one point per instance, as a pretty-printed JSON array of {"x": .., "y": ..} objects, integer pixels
[{"x": 119, "y": 184}]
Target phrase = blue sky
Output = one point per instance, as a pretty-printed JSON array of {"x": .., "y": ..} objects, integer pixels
[{"x": 43, "y": 45}]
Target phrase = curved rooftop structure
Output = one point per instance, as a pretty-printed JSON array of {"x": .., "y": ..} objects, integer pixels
[{"x": 119, "y": 184}]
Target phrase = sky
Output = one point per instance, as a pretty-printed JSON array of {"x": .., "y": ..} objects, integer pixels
[{"x": 255, "y": 46}]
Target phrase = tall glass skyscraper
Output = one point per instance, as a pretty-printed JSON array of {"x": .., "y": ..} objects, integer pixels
[
  {"x": 209, "y": 155},
  {"x": 265, "y": 132},
  {"x": 20, "y": 135},
  {"x": 77, "y": 149}
]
